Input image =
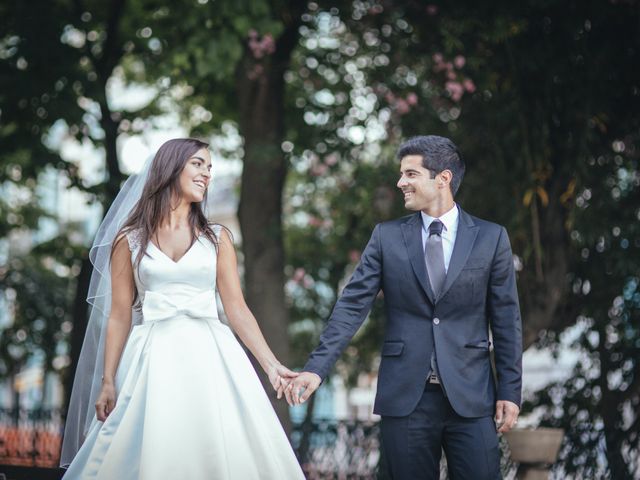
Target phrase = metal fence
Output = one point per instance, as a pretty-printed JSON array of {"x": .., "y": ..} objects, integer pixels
[
  {"x": 327, "y": 449},
  {"x": 350, "y": 450},
  {"x": 30, "y": 437},
  {"x": 331, "y": 449}
]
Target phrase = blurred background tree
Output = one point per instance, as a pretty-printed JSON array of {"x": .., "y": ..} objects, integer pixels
[{"x": 541, "y": 97}]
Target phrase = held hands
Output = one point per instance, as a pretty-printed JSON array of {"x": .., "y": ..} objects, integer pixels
[
  {"x": 106, "y": 400},
  {"x": 280, "y": 377},
  {"x": 302, "y": 387},
  {"x": 506, "y": 415}
]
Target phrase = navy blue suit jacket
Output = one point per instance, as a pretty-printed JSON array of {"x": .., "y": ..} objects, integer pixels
[{"x": 479, "y": 295}]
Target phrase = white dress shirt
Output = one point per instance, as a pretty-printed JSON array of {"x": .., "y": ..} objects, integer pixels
[{"x": 449, "y": 232}]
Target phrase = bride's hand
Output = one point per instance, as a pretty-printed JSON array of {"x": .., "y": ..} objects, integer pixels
[
  {"x": 280, "y": 377},
  {"x": 106, "y": 401}
]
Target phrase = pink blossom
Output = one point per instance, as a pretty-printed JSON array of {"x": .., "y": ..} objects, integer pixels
[
  {"x": 412, "y": 99},
  {"x": 459, "y": 61},
  {"x": 449, "y": 66},
  {"x": 268, "y": 43},
  {"x": 319, "y": 169},
  {"x": 298, "y": 274},
  {"x": 314, "y": 221},
  {"x": 389, "y": 97},
  {"x": 256, "y": 50},
  {"x": 468, "y": 85},
  {"x": 455, "y": 89},
  {"x": 432, "y": 9},
  {"x": 261, "y": 47},
  {"x": 401, "y": 106},
  {"x": 331, "y": 159},
  {"x": 451, "y": 75},
  {"x": 354, "y": 256},
  {"x": 438, "y": 60}
]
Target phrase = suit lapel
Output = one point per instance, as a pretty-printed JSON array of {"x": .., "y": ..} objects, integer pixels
[
  {"x": 466, "y": 236},
  {"x": 412, "y": 234}
]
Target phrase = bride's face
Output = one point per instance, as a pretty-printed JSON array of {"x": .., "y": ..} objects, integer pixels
[{"x": 195, "y": 176}]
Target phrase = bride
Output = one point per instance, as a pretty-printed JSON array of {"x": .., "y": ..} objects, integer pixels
[{"x": 175, "y": 395}]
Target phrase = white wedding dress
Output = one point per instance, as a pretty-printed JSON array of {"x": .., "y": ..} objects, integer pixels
[{"x": 190, "y": 405}]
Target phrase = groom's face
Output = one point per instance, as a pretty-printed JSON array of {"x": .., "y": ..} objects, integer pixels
[{"x": 417, "y": 186}]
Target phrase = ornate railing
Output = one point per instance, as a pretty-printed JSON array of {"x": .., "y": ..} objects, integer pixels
[
  {"x": 30, "y": 437},
  {"x": 337, "y": 450},
  {"x": 327, "y": 449},
  {"x": 331, "y": 449}
]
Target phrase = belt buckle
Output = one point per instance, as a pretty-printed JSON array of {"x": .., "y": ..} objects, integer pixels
[{"x": 433, "y": 378}]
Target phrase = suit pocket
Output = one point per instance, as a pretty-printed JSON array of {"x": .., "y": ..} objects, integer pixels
[
  {"x": 392, "y": 349},
  {"x": 479, "y": 344},
  {"x": 475, "y": 264}
]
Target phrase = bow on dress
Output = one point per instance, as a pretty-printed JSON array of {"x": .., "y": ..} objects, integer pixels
[{"x": 158, "y": 306}]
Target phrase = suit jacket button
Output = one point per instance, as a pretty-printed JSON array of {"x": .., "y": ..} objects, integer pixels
[{"x": 436, "y": 321}]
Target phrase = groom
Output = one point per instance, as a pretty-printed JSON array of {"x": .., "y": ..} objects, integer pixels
[{"x": 450, "y": 293}]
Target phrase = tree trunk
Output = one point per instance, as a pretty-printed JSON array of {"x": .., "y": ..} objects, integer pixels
[
  {"x": 115, "y": 177},
  {"x": 104, "y": 67},
  {"x": 260, "y": 89},
  {"x": 544, "y": 300}
]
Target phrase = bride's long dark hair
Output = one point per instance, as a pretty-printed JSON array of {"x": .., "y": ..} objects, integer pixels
[{"x": 161, "y": 188}]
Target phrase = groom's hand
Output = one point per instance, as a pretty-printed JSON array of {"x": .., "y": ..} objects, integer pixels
[
  {"x": 506, "y": 415},
  {"x": 302, "y": 387}
]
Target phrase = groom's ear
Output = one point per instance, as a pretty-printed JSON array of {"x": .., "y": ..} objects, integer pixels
[{"x": 445, "y": 178}]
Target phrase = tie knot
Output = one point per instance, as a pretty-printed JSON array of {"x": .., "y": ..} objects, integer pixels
[{"x": 436, "y": 228}]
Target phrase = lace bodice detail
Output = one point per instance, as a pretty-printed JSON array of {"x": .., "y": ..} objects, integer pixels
[{"x": 134, "y": 238}]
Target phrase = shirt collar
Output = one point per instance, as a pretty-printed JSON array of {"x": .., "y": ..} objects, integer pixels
[{"x": 449, "y": 219}]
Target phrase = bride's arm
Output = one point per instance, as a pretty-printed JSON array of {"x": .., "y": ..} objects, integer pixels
[
  {"x": 240, "y": 317},
  {"x": 118, "y": 324}
]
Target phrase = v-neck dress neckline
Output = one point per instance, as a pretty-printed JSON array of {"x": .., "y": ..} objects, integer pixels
[{"x": 183, "y": 255}]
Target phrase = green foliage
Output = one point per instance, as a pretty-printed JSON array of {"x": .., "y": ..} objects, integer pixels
[
  {"x": 38, "y": 289},
  {"x": 541, "y": 97},
  {"x": 331, "y": 218},
  {"x": 599, "y": 403},
  {"x": 201, "y": 52},
  {"x": 548, "y": 120},
  {"x": 55, "y": 60}
]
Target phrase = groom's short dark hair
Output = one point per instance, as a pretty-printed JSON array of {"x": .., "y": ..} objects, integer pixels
[{"x": 438, "y": 154}]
